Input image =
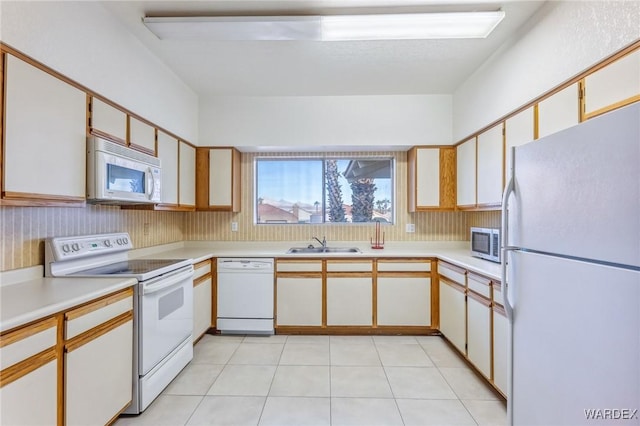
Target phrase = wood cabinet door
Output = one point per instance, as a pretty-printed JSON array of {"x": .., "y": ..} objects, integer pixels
[
  {"x": 299, "y": 301},
  {"x": 404, "y": 301},
  {"x": 466, "y": 173},
  {"x": 168, "y": 154},
  {"x": 490, "y": 166},
  {"x": 615, "y": 85},
  {"x": 452, "y": 315},
  {"x": 108, "y": 120},
  {"x": 187, "y": 178},
  {"x": 349, "y": 301},
  {"x": 559, "y": 111},
  {"x": 44, "y": 135}
]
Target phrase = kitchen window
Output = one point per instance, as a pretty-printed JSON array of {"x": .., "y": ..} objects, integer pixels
[{"x": 324, "y": 190}]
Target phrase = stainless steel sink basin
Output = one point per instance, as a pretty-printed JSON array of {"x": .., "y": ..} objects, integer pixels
[{"x": 320, "y": 250}]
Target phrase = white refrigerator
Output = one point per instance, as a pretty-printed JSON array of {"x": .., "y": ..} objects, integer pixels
[{"x": 571, "y": 267}]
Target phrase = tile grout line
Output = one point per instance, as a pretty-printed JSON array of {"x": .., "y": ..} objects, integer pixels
[
  {"x": 395, "y": 399},
  {"x": 266, "y": 397}
]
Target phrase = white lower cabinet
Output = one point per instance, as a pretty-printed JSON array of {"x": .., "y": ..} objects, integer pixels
[
  {"x": 479, "y": 333},
  {"x": 98, "y": 377},
  {"x": 349, "y": 301},
  {"x": 202, "y": 298},
  {"x": 29, "y": 387},
  {"x": 202, "y": 306},
  {"x": 299, "y": 301},
  {"x": 500, "y": 348},
  {"x": 404, "y": 301},
  {"x": 99, "y": 360},
  {"x": 452, "y": 314},
  {"x": 31, "y": 399}
]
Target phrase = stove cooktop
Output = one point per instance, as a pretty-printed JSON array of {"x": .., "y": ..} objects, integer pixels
[{"x": 134, "y": 267}]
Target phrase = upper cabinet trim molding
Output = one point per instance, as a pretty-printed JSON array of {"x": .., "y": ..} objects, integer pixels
[
  {"x": 4, "y": 48},
  {"x": 576, "y": 79}
]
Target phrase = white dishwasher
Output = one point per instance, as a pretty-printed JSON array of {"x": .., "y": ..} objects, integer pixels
[{"x": 245, "y": 296}]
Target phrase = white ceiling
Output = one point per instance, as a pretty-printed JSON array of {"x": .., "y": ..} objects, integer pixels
[{"x": 308, "y": 68}]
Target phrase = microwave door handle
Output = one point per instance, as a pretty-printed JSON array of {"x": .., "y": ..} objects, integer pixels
[{"x": 151, "y": 183}]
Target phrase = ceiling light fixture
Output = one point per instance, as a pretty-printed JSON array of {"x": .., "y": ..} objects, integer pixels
[{"x": 405, "y": 26}]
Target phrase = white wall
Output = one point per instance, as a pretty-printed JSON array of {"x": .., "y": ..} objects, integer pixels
[
  {"x": 85, "y": 43},
  {"x": 319, "y": 121},
  {"x": 562, "y": 40}
]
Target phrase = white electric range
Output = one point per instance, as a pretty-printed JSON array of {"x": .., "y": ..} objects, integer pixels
[{"x": 163, "y": 305}]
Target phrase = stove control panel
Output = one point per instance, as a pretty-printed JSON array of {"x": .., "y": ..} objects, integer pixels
[{"x": 66, "y": 248}]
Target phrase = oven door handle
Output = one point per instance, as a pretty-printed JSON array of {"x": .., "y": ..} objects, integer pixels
[{"x": 168, "y": 282}]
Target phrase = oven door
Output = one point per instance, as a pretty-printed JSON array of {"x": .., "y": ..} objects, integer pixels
[{"x": 166, "y": 316}]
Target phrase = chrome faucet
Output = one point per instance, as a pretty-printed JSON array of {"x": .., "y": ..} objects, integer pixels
[{"x": 323, "y": 242}]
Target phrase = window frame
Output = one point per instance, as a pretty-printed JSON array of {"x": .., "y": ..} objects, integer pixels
[{"x": 323, "y": 159}]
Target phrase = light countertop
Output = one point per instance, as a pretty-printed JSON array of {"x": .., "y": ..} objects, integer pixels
[
  {"x": 36, "y": 297},
  {"x": 454, "y": 252},
  {"x": 27, "y": 296}
]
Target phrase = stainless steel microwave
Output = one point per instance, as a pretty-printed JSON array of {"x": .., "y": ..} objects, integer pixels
[
  {"x": 117, "y": 174},
  {"x": 485, "y": 243}
]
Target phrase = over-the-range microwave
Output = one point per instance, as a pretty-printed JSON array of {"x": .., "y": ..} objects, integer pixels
[
  {"x": 485, "y": 243},
  {"x": 117, "y": 174}
]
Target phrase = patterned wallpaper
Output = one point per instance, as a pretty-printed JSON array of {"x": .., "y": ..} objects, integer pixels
[
  {"x": 436, "y": 226},
  {"x": 24, "y": 229}
]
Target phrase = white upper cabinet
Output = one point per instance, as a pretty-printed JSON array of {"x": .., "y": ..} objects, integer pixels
[
  {"x": 142, "y": 135},
  {"x": 220, "y": 172},
  {"x": 108, "y": 120},
  {"x": 168, "y": 154},
  {"x": 428, "y": 177},
  {"x": 614, "y": 85},
  {"x": 466, "y": 173},
  {"x": 44, "y": 136},
  {"x": 559, "y": 111},
  {"x": 431, "y": 179},
  {"x": 518, "y": 130},
  {"x": 218, "y": 179},
  {"x": 187, "y": 178},
  {"x": 490, "y": 169}
]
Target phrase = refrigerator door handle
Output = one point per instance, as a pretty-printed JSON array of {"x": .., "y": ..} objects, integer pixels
[
  {"x": 508, "y": 190},
  {"x": 505, "y": 249}
]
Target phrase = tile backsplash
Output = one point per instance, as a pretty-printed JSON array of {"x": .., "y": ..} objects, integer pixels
[{"x": 24, "y": 229}]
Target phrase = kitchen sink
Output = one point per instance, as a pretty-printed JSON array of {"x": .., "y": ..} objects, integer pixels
[{"x": 320, "y": 250}]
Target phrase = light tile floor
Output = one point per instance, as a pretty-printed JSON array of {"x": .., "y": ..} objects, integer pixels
[{"x": 324, "y": 380}]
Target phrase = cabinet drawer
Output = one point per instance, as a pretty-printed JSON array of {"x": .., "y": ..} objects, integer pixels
[
  {"x": 404, "y": 265},
  {"x": 451, "y": 272},
  {"x": 201, "y": 269},
  {"x": 299, "y": 266},
  {"x": 479, "y": 284},
  {"x": 349, "y": 266},
  {"x": 89, "y": 316},
  {"x": 25, "y": 342},
  {"x": 498, "y": 296}
]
